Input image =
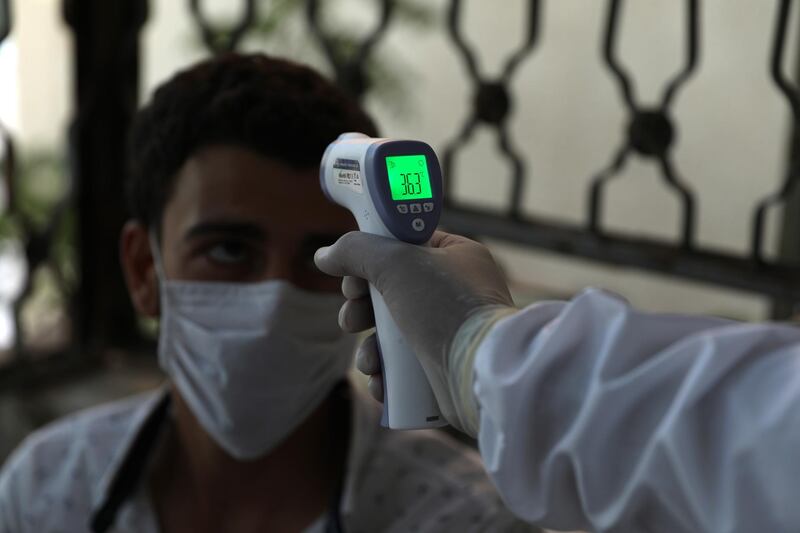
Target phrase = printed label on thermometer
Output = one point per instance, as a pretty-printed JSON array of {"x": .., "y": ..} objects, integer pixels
[{"x": 348, "y": 174}]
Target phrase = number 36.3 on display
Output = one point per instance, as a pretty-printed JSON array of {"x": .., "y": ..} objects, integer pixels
[{"x": 412, "y": 183}]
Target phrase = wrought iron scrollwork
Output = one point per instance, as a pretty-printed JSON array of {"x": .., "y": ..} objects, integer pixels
[
  {"x": 349, "y": 70},
  {"x": 218, "y": 39},
  {"x": 650, "y": 131},
  {"x": 107, "y": 80},
  {"x": 792, "y": 177},
  {"x": 492, "y": 102}
]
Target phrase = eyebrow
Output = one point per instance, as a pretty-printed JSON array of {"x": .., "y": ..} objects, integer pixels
[{"x": 240, "y": 229}]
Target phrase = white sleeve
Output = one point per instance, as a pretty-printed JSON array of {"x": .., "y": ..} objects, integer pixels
[{"x": 596, "y": 416}]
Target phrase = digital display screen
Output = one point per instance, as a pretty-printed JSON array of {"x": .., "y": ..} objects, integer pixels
[{"x": 408, "y": 177}]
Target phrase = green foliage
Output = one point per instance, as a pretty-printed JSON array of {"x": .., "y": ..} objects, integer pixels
[
  {"x": 39, "y": 186},
  {"x": 272, "y": 22}
]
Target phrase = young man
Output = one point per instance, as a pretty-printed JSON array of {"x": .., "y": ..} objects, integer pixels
[{"x": 258, "y": 429}]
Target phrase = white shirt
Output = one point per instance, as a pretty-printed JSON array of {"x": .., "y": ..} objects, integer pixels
[
  {"x": 62, "y": 476},
  {"x": 594, "y": 415}
]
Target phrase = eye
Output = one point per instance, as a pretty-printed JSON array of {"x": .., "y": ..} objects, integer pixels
[
  {"x": 305, "y": 256},
  {"x": 228, "y": 253}
]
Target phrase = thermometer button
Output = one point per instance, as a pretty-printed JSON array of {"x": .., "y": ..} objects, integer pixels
[
  {"x": 418, "y": 224},
  {"x": 427, "y": 206},
  {"x": 402, "y": 209},
  {"x": 416, "y": 208}
]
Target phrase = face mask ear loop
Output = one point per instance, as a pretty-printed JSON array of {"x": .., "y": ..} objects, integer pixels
[
  {"x": 158, "y": 261},
  {"x": 161, "y": 277}
]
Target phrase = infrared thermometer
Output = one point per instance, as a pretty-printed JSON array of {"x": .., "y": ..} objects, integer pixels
[{"x": 394, "y": 189}]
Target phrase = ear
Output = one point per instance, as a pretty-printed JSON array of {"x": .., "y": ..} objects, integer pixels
[{"x": 136, "y": 258}]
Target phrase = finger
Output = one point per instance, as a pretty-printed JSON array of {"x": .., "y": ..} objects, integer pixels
[
  {"x": 375, "y": 387},
  {"x": 367, "y": 359},
  {"x": 356, "y": 315},
  {"x": 358, "y": 254},
  {"x": 354, "y": 288},
  {"x": 442, "y": 239}
]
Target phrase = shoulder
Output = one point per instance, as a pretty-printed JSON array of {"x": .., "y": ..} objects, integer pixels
[
  {"x": 441, "y": 456},
  {"x": 93, "y": 433},
  {"x": 56, "y": 470},
  {"x": 428, "y": 481},
  {"x": 457, "y": 484}
]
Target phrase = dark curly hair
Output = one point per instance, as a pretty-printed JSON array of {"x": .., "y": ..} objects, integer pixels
[{"x": 271, "y": 106}]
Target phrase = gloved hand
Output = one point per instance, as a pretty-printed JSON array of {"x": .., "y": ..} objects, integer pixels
[{"x": 432, "y": 293}]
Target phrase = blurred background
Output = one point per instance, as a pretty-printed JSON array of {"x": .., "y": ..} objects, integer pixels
[{"x": 646, "y": 147}]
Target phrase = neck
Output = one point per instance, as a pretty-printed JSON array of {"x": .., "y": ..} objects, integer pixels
[
  {"x": 297, "y": 477},
  {"x": 209, "y": 463}
]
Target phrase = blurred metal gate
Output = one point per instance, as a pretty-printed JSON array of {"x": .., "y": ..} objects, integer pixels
[{"x": 106, "y": 36}]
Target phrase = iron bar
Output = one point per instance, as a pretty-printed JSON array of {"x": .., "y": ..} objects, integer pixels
[
  {"x": 5, "y": 19},
  {"x": 610, "y": 55},
  {"x": 789, "y": 243},
  {"x": 219, "y": 39},
  {"x": 518, "y": 169},
  {"x": 531, "y": 38},
  {"x": 454, "y": 29},
  {"x": 692, "y": 53},
  {"x": 597, "y": 187},
  {"x": 792, "y": 174},
  {"x": 449, "y": 153},
  {"x": 650, "y": 131},
  {"x": 686, "y": 198},
  {"x": 349, "y": 71},
  {"x": 106, "y": 87},
  {"x": 492, "y": 102},
  {"x": 650, "y": 255}
]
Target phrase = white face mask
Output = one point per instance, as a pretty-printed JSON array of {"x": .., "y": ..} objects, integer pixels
[{"x": 252, "y": 360}]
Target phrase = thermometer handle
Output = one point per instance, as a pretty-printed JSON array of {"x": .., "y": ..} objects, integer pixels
[{"x": 408, "y": 400}]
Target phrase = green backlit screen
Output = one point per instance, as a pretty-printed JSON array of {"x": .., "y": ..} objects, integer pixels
[{"x": 408, "y": 177}]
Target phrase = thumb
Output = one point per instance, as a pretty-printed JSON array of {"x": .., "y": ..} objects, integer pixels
[{"x": 358, "y": 254}]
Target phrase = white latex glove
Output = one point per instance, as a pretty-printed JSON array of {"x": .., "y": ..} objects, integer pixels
[{"x": 432, "y": 292}]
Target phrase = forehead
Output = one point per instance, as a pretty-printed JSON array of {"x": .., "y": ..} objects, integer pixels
[{"x": 233, "y": 183}]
